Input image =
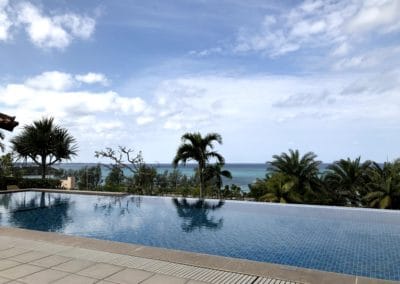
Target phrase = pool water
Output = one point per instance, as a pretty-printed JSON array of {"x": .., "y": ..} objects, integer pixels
[{"x": 354, "y": 241}]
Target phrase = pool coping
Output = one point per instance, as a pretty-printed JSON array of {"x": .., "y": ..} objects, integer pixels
[{"x": 237, "y": 265}]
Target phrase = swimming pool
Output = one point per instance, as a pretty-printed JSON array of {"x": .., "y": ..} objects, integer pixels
[{"x": 353, "y": 241}]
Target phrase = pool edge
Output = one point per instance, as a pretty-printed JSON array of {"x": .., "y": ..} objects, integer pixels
[{"x": 256, "y": 268}]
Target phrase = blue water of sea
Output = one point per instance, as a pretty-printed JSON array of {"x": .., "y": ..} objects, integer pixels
[
  {"x": 362, "y": 242},
  {"x": 243, "y": 174}
]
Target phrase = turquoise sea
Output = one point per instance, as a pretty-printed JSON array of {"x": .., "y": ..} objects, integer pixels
[{"x": 243, "y": 174}]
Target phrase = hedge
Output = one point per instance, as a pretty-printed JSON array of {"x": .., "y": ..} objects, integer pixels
[
  {"x": 39, "y": 183},
  {"x": 29, "y": 183}
]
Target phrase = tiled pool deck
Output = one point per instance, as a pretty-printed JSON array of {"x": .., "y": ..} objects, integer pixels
[{"x": 40, "y": 257}]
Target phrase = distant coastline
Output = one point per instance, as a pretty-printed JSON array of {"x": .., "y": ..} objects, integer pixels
[{"x": 243, "y": 173}]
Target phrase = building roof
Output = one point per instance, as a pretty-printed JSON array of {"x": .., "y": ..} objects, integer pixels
[{"x": 7, "y": 122}]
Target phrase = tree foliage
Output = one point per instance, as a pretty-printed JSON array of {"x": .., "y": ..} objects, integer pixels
[
  {"x": 45, "y": 143},
  {"x": 197, "y": 148}
]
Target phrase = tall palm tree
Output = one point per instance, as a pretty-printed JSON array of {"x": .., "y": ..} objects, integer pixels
[
  {"x": 215, "y": 173},
  {"x": 44, "y": 143},
  {"x": 303, "y": 169},
  {"x": 384, "y": 186},
  {"x": 347, "y": 178},
  {"x": 200, "y": 149}
]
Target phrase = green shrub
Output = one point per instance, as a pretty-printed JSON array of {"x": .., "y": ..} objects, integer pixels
[
  {"x": 39, "y": 183},
  {"x": 3, "y": 184},
  {"x": 4, "y": 181}
]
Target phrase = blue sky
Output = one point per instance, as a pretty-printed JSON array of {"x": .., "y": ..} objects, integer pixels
[{"x": 318, "y": 76}]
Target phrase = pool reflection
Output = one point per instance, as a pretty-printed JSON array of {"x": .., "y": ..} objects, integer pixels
[
  {"x": 195, "y": 215},
  {"x": 117, "y": 204},
  {"x": 35, "y": 211}
]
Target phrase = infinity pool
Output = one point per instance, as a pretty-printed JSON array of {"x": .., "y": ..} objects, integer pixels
[{"x": 353, "y": 241}]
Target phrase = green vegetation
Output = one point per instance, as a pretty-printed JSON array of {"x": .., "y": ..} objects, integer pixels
[
  {"x": 44, "y": 143},
  {"x": 200, "y": 149},
  {"x": 295, "y": 179}
]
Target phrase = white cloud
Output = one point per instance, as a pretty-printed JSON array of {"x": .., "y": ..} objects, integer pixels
[
  {"x": 207, "y": 52},
  {"x": 266, "y": 108},
  {"x": 45, "y": 31},
  {"x": 51, "y": 80},
  {"x": 60, "y": 81},
  {"x": 145, "y": 119},
  {"x": 375, "y": 14},
  {"x": 49, "y": 94},
  {"x": 236, "y": 103},
  {"x": 92, "y": 78},
  {"x": 316, "y": 24},
  {"x": 5, "y": 22},
  {"x": 342, "y": 49},
  {"x": 79, "y": 26}
]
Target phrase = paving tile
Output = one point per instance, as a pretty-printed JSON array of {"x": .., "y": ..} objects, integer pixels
[
  {"x": 129, "y": 276},
  {"x": 4, "y": 246},
  {"x": 100, "y": 270},
  {"x": 4, "y": 280},
  {"x": 105, "y": 282},
  {"x": 74, "y": 265},
  {"x": 75, "y": 279},
  {"x": 50, "y": 261},
  {"x": 20, "y": 271},
  {"x": 44, "y": 276},
  {"x": 12, "y": 252},
  {"x": 195, "y": 282},
  {"x": 29, "y": 256},
  {"x": 6, "y": 263},
  {"x": 164, "y": 279}
]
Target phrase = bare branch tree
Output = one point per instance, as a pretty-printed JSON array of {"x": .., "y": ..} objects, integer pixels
[{"x": 123, "y": 158}]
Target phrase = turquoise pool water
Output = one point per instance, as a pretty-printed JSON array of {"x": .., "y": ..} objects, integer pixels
[{"x": 354, "y": 241}]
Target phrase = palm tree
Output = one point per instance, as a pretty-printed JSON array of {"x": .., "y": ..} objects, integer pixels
[
  {"x": 303, "y": 169},
  {"x": 348, "y": 180},
  {"x": 384, "y": 186},
  {"x": 200, "y": 149},
  {"x": 280, "y": 188},
  {"x": 215, "y": 173},
  {"x": 195, "y": 214},
  {"x": 44, "y": 143}
]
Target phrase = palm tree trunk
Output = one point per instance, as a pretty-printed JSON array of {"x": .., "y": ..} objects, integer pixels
[
  {"x": 43, "y": 167},
  {"x": 201, "y": 183}
]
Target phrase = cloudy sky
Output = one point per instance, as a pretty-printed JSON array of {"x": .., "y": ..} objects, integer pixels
[{"x": 320, "y": 76}]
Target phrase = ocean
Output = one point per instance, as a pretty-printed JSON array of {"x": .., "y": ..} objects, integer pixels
[{"x": 242, "y": 174}]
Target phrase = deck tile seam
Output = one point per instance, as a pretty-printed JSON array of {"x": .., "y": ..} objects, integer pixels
[
  {"x": 104, "y": 257},
  {"x": 30, "y": 261},
  {"x": 68, "y": 274},
  {"x": 98, "y": 256},
  {"x": 2, "y": 269},
  {"x": 17, "y": 279},
  {"x": 75, "y": 272},
  {"x": 146, "y": 278},
  {"x": 51, "y": 266},
  {"x": 108, "y": 276}
]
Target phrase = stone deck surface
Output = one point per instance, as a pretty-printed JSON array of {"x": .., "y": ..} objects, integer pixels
[{"x": 39, "y": 257}]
